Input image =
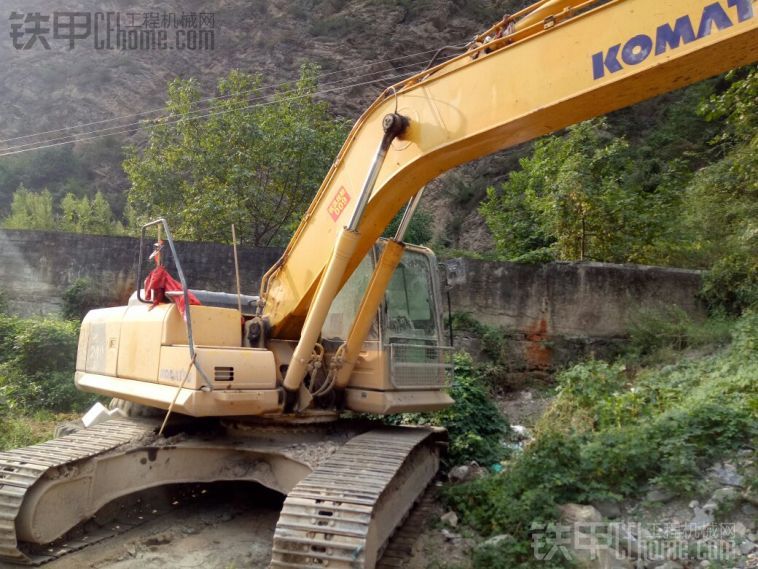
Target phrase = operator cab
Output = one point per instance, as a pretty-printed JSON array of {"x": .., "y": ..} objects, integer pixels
[{"x": 405, "y": 351}]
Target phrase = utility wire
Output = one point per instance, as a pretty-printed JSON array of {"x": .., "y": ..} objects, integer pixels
[
  {"x": 214, "y": 113},
  {"x": 120, "y": 128},
  {"x": 208, "y": 99}
]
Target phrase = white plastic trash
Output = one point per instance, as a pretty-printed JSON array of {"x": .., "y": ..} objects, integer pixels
[{"x": 99, "y": 414}]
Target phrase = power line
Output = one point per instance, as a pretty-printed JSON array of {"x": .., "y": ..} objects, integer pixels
[
  {"x": 121, "y": 128},
  {"x": 208, "y": 99},
  {"x": 215, "y": 113}
]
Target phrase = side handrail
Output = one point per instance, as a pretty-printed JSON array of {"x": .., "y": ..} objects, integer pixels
[{"x": 185, "y": 290}]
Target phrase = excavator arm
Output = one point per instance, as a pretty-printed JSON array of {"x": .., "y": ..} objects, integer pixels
[{"x": 553, "y": 64}]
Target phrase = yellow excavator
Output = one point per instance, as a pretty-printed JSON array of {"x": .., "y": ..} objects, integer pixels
[{"x": 256, "y": 388}]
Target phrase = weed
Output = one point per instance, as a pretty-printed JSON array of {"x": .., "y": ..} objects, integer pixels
[
  {"x": 671, "y": 328},
  {"x": 612, "y": 431},
  {"x": 475, "y": 426},
  {"x": 20, "y": 431}
]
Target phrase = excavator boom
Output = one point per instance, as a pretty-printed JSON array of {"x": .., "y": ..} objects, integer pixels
[{"x": 562, "y": 62}]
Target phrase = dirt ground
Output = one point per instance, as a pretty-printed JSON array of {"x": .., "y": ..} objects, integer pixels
[
  {"x": 215, "y": 527},
  {"x": 219, "y": 526}
]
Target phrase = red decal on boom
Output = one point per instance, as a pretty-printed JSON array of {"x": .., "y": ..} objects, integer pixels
[{"x": 338, "y": 204}]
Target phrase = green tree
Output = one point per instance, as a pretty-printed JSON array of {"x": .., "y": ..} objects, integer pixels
[
  {"x": 31, "y": 210},
  {"x": 578, "y": 196},
  {"x": 102, "y": 221},
  {"x": 722, "y": 200},
  {"x": 82, "y": 215},
  {"x": 419, "y": 230},
  {"x": 74, "y": 212},
  {"x": 257, "y": 166},
  {"x": 737, "y": 105},
  {"x": 77, "y": 215}
]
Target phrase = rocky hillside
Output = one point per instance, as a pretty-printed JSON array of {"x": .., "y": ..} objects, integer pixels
[{"x": 44, "y": 90}]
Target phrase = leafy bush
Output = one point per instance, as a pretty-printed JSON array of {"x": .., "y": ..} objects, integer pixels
[
  {"x": 9, "y": 327},
  {"x": 542, "y": 255},
  {"x": 592, "y": 381},
  {"x": 731, "y": 285},
  {"x": 419, "y": 230},
  {"x": 661, "y": 425},
  {"x": 45, "y": 345},
  {"x": 475, "y": 426},
  {"x": 492, "y": 338},
  {"x": 672, "y": 328},
  {"x": 3, "y": 302},
  {"x": 745, "y": 343},
  {"x": 581, "y": 196},
  {"x": 37, "y": 363},
  {"x": 81, "y": 297}
]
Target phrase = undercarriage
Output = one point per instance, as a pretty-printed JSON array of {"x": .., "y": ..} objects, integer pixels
[{"x": 348, "y": 484}]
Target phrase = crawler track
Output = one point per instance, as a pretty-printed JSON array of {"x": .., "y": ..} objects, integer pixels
[
  {"x": 344, "y": 513},
  {"x": 400, "y": 547},
  {"x": 21, "y": 468}
]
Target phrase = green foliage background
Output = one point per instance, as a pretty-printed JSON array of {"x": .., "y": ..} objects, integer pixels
[
  {"x": 37, "y": 361},
  {"x": 684, "y": 193},
  {"x": 255, "y": 165},
  {"x": 38, "y": 210},
  {"x": 671, "y": 181},
  {"x": 81, "y": 171}
]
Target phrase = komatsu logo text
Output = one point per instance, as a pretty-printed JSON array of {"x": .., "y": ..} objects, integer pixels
[{"x": 670, "y": 36}]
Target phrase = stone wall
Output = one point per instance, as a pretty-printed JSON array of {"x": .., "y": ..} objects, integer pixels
[
  {"x": 36, "y": 267},
  {"x": 555, "y": 313},
  {"x": 550, "y": 314}
]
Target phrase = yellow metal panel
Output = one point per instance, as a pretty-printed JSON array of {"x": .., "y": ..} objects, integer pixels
[
  {"x": 389, "y": 402},
  {"x": 371, "y": 368},
  {"x": 81, "y": 348},
  {"x": 251, "y": 368},
  {"x": 189, "y": 401},
  {"x": 173, "y": 366},
  {"x": 211, "y": 326},
  {"x": 103, "y": 331},
  {"x": 141, "y": 333},
  {"x": 599, "y": 61}
]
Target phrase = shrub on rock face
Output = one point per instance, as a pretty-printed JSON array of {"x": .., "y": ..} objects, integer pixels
[{"x": 81, "y": 297}]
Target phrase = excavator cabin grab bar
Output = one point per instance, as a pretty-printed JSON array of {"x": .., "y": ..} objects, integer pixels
[{"x": 161, "y": 222}]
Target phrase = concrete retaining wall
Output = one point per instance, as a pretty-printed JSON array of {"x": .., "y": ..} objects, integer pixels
[
  {"x": 36, "y": 267},
  {"x": 550, "y": 313},
  {"x": 555, "y": 313}
]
